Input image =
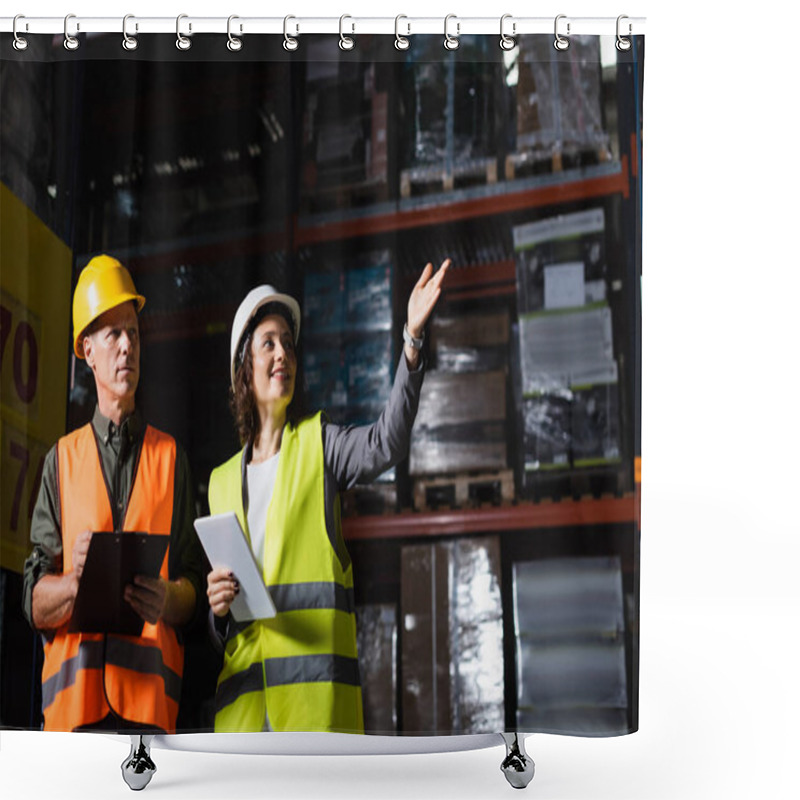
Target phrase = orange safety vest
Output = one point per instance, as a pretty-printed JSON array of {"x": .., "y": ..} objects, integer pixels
[{"x": 139, "y": 677}]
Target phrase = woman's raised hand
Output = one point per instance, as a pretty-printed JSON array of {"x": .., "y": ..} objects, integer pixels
[{"x": 424, "y": 296}]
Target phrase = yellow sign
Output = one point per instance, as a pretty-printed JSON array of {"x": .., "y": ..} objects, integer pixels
[{"x": 35, "y": 283}]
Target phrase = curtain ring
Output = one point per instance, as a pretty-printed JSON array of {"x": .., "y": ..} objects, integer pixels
[
  {"x": 20, "y": 43},
  {"x": 182, "y": 42},
  {"x": 234, "y": 42},
  {"x": 561, "y": 42},
  {"x": 70, "y": 42},
  {"x": 401, "y": 42},
  {"x": 508, "y": 42},
  {"x": 451, "y": 42},
  {"x": 623, "y": 44},
  {"x": 346, "y": 42},
  {"x": 129, "y": 42},
  {"x": 289, "y": 43}
]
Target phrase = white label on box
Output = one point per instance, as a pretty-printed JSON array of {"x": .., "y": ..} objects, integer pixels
[
  {"x": 595, "y": 291},
  {"x": 564, "y": 285}
]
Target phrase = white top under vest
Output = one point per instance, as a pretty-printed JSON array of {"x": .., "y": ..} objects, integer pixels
[{"x": 260, "y": 485}]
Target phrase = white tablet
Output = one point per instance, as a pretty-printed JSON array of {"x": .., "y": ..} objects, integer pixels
[{"x": 227, "y": 547}]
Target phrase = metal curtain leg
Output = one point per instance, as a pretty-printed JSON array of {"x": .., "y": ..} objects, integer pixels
[
  {"x": 518, "y": 766},
  {"x": 138, "y": 768}
]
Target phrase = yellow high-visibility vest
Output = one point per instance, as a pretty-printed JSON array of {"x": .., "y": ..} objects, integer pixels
[{"x": 301, "y": 667}]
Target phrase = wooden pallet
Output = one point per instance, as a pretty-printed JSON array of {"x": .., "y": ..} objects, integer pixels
[
  {"x": 575, "y": 483},
  {"x": 547, "y": 160},
  {"x": 428, "y": 180},
  {"x": 376, "y": 499},
  {"x": 464, "y": 490}
]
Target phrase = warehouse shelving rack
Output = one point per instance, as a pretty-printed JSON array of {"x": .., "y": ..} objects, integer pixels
[
  {"x": 525, "y": 527},
  {"x": 205, "y": 329}
]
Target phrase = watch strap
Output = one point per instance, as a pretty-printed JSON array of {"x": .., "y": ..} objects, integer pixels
[{"x": 410, "y": 340}]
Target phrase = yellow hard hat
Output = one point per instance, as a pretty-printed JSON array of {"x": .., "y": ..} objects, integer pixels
[{"x": 103, "y": 284}]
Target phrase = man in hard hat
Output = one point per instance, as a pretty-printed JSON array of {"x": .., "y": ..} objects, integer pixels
[{"x": 114, "y": 474}]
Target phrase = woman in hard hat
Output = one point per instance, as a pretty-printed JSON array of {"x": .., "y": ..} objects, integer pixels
[{"x": 299, "y": 670}]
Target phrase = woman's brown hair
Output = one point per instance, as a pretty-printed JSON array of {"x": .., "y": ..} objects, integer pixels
[{"x": 242, "y": 397}]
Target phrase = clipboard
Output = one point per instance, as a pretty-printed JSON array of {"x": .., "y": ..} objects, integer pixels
[
  {"x": 226, "y": 546},
  {"x": 112, "y": 562}
]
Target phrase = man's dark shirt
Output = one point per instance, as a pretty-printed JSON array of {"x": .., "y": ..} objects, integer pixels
[{"x": 119, "y": 450}]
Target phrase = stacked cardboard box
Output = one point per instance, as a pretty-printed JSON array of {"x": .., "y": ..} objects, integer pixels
[
  {"x": 461, "y": 421},
  {"x": 349, "y": 350},
  {"x": 345, "y": 127},
  {"x": 559, "y": 106},
  {"x": 570, "y": 646},
  {"x": 449, "y": 120},
  {"x": 460, "y": 424},
  {"x": 470, "y": 342},
  {"x": 452, "y": 637},
  {"x": 377, "y": 662}
]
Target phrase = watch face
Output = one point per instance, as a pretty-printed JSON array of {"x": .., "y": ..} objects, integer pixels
[{"x": 409, "y": 339}]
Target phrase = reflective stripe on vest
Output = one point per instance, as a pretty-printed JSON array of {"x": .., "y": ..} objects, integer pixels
[
  {"x": 313, "y": 594},
  {"x": 285, "y": 671},
  {"x": 142, "y": 673},
  {"x": 301, "y": 667},
  {"x": 120, "y": 653}
]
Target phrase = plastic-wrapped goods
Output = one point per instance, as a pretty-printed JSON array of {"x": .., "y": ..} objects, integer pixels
[
  {"x": 546, "y": 437},
  {"x": 559, "y": 100},
  {"x": 460, "y": 424},
  {"x": 452, "y": 638},
  {"x": 449, "y": 124},
  {"x": 595, "y": 425},
  {"x": 570, "y": 645},
  {"x": 326, "y": 377},
  {"x": 345, "y": 126},
  {"x": 376, "y": 627},
  {"x": 561, "y": 349},
  {"x": 369, "y": 294},
  {"x": 369, "y": 370},
  {"x": 541, "y": 247},
  {"x": 470, "y": 342},
  {"x": 323, "y": 302}
]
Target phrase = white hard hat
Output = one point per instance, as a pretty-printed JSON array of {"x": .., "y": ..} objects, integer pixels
[{"x": 248, "y": 308}]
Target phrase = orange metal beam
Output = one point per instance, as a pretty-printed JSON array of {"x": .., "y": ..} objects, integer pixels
[
  {"x": 468, "y": 209},
  {"x": 524, "y": 516}
]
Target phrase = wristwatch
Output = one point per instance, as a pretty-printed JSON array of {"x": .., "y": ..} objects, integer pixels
[{"x": 411, "y": 341}]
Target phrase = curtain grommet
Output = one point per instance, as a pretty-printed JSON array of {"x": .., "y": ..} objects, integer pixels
[
  {"x": 451, "y": 42},
  {"x": 623, "y": 43},
  {"x": 71, "y": 43},
  {"x": 346, "y": 42},
  {"x": 20, "y": 43},
  {"x": 129, "y": 42},
  {"x": 561, "y": 42},
  {"x": 234, "y": 43},
  {"x": 182, "y": 42},
  {"x": 401, "y": 42},
  {"x": 507, "y": 42},
  {"x": 290, "y": 43}
]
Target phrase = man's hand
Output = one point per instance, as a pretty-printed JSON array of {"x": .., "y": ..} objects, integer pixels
[
  {"x": 79, "y": 551},
  {"x": 148, "y": 597}
]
